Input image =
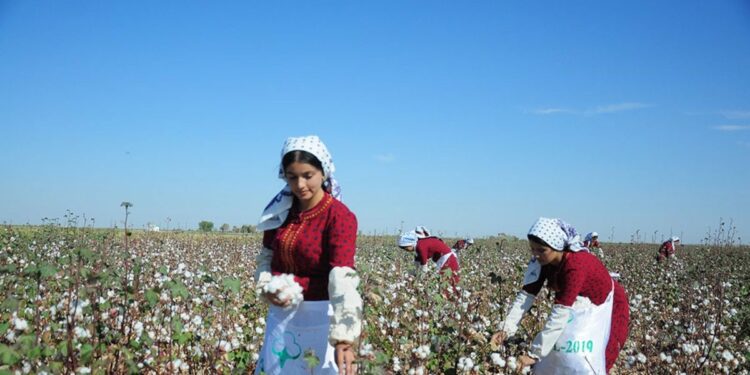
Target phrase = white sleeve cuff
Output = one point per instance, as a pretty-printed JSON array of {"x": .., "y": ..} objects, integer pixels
[
  {"x": 546, "y": 339},
  {"x": 346, "y": 322},
  {"x": 520, "y": 306},
  {"x": 262, "y": 269}
]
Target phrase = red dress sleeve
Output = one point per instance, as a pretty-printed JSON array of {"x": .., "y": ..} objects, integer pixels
[
  {"x": 342, "y": 238},
  {"x": 422, "y": 253}
]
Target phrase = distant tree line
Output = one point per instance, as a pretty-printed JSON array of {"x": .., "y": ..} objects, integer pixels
[{"x": 208, "y": 226}]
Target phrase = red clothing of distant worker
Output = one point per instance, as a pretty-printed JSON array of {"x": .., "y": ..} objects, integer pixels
[
  {"x": 310, "y": 243},
  {"x": 461, "y": 245},
  {"x": 434, "y": 248},
  {"x": 582, "y": 274},
  {"x": 666, "y": 250},
  {"x": 590, "y": 244}
]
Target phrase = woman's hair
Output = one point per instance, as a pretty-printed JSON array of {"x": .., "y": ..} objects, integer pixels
[
  {"x": 300, "y": 156},
  {"x": 537, "y": 240}
]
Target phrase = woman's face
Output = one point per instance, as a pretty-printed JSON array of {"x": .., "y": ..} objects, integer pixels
[
  {"x": 544, "y": 254},
  {"x": 305, "y": 181}
]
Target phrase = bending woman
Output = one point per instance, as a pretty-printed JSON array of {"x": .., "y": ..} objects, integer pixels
[
  {"x": 588, "y": 324},
  {"x": 305, "y": 270},
  {"x": 429, "y": 247}
]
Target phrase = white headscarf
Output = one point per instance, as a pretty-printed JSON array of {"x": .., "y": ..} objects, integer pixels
[
  {"x": 278, "y": 209},
  {"x": 422, "y": 232},
  {"x": 590, "y": 236},
  {"x": 408, "y": 239},
  {"x": 673, "y": 240},
  {"x": 558, "y": 234}
]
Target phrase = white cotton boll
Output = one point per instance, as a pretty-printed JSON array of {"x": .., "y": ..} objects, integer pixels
[
  {"x": 197, "y": 320},
  {"x": 465, "y": 364},
  {"x": 641, "y": 358},
  {"x": 81, "y": 333},
  {"x": 727, "y": 355},
  {"x": 83, "y": 370},
  {"x": 225, "y": 346},
  {"x": 526, "y": 370},
  {"x": 20, "y": 324},
  {"x": 497, "y": 360},
  {"x": 286, "y": 288}
]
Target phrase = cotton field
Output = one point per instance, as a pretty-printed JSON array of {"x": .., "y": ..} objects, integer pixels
[{"x": 81, "y": 300}]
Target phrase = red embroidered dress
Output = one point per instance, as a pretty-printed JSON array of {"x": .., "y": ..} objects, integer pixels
[
  {"x": 666, "y": 250},
  {"x": 434, "y": 248},
  {"x": 582, "y": 274},
  {"x": 460, "y": 245},
  {"x": 310, "y": 243},
  {"x": 590, "y": 244}
]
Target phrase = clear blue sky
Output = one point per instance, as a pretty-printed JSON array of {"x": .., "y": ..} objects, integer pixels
[{"x": 469, "y": 118}]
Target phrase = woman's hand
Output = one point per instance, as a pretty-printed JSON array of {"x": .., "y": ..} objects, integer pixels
[
  {"x": 497, "y": 339},
  {"x": 525, "y": 361},
  {"x": 274, "y": 299},
  {"x": 345, "y": 358}
]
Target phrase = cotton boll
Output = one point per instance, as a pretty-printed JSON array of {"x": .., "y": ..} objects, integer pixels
[{"x": 286, "y": 288}]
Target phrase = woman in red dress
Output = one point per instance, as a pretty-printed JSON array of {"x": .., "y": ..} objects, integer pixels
[
  {"x": 668, "y": 248},
  {"x": 305, "y": 270},
  {"x": 588, "y": 324},
  {"x": 429, "y": 247}
]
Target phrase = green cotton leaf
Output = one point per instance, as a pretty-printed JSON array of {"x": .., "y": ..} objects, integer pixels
[
  {"x": 10, "y": 268},
  {"x": 232, "y": 284},
  {"x": 152, "y": 297},
  {"x": 34, "y": 353},
  {"x": 31, "y": 270},
  {"x": 85, "y": 253},
  {"x": 48, "y": 351},
  {"x": 47, "y": 270},
  {"x": 163, "y": 270},
  {"x": 178, "y": 289},
  {"x": 183, "y": 338},
  {"x": 8, "y": 356},
  {"x": 26, "y": 342},
  {"x": 311, "y": 359},
  {"x": 4, "y": 328},
  {"x": 57, "y": 367},
  {"x": 63, "y": 348},
  {"x": 177, "y": 327},
  {"x": 87, "y": 351}
]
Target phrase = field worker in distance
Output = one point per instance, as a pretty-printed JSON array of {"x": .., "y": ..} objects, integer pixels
[
  {"x": 668, "y": 249},
  {"x": 305, "y": 270},
  {"x": 462, "y": 244},
  {"x": 588, "y": 324},
  {"x": 592, "y": 243},
  {"x": 429, "y": 247}
]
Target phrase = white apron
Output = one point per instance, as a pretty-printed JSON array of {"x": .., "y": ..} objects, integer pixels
[
  {"x": 443, "y": 259},
  {"x": 582, "y": 346},
  {"x": 290, "y": 333}
]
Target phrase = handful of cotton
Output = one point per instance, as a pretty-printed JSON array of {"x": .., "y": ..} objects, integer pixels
[{"x": 285, "y": 288}]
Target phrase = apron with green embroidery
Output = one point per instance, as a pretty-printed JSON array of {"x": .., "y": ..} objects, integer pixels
[{"x": 294, "y": 334}]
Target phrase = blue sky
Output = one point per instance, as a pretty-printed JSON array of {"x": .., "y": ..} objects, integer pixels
[{"x": 469, "y": 118}]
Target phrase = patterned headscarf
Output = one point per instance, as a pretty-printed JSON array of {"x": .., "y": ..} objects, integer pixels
[
  {"x": 590, "y": 236},
  {"x": 422, "y": 232},
  {"x": 278, "y": 209},
  {"x": 408, "y": 239},
  {"x": 558, "y": 234}
]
